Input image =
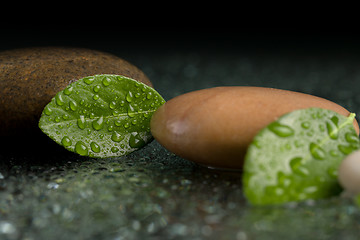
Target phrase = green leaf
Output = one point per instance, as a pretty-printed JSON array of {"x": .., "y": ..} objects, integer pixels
[
  {"x": 297, "y": 156},
  {"x": 101, "y": 116}
]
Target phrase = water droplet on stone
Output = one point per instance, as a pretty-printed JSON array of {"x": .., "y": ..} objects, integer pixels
[
  {"x": 281, "y": 130},
  {"x": 129, "y": 97},
  {"x": 117, "y": 137},
  {"x": 106, "y": 81},
  {"x": 317, "y": 152},
  {"x": 136, "y": 141},
  {"x": 81, "y": 148},
  {"x": 73, "y": 105},
  {"x": 66, "y": 141},
  {"x": 81, "y": 122},
  {"x": 98, "y": 124},
  {"x": 89, "y": 80},
  {"x": 95, "y": 147}
]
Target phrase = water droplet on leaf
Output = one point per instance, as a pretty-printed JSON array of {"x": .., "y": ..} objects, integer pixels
[
  {"x": 66, "y": 141},
  {"x": 81, "y": 122},
  {"x": 95, "y": 147},
  {"x": 316, "y": 151},
  {"x": 81, "y": 148},
  {"x": 281, "y": 130},
  {"x": 136, "y": 141},
  {"x": 98, "y": 124},
  {"x": 117, "y": 137}
]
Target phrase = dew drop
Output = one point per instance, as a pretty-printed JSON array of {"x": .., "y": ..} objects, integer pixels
[
  {"x": 149, "y": 95},
  {"x": 48, "y": 111},
  {"x": 117, "y": 123},
  {"x": 81, "y": 148},
  {"x": 281, "y": 130},
  {"x": 131, "y": 111},
  {"x": 332, "y": 128},
  {"x": 316, "y": 151},
  {"x": 106, "y": 81},
  {"x": 345, "y": 149},
  {"x": 129, "y": 97},
  {"x": 97, "y": 88},
  {"x": 96, "y": 97},
  {"x": 112, "y": 105},
  {"x": 351, "y": 137},
  {"x": 305, "y": 125},
  {"x": 68, "y": 90},
  {"x": 98, "y": 124},
  {"x": 297, "y": 168},
  {"x": 117, "y": 137},
  {"x": 134, "y": 121},
  {"x": 66, "y": 141},
  {"x": 136, "y": 141},
  {"x": 114, "y": 149},
  {"x": 81, "y": 122},
  {"x": 73, "y": 105},
  {"x": 59, "y": 99},
  {"x": 95, "y": 147},
  {"x": 89, "y": 80}
]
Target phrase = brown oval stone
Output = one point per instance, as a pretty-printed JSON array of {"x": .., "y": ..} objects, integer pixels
[
  {"x": 30, "y": 78},
  {"x": 214, "y": 127}
]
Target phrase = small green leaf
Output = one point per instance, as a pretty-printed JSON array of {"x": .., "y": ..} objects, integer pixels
[
  {"x": 101, "y": 116},
  {"x": 297, "y": 157}
]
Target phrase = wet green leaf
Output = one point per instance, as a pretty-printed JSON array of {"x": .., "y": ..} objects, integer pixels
[
  {"x": 101, "y": 116},
  {"x": 296, "y": 157}
]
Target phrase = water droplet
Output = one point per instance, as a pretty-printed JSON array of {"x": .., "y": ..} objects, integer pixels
[
  {"x": 59, "y": 99},
  {"x": 296, "y": 166},
  {"x": 131, "y": 111},
  {"x": 305, "y": 125},
  {"x": 332, "y": 127},
  {"x": 106, "y": 81},
  {"x": 111, "y": 128},
  {"x": 112, "y": 105},
  {"x": 117, "y": 123},
  {"x": 73, "y": 105},
  {"x": 66, "y": 117},
  {"x": 333, "y": 172},
  {"x": 345, "y": 149},
  {"x": 81, "y": 122},
  {"x": 98, "y": 124},
  {"x": 281, "y": 130},
  {"x": 81, "y": 148},
  {"x": 89, "y": 80},
  {"x": 97, "y": 88},
  {"x": 66, "y": 141},
  {"x": 149, "y": 95},
  {"x": 129, "y": 97},
  {"x": 48, "y": 111},
  {"x": 136, "y": 141},
  {"x": 126, "y": 125},
  {"x": 114, "y": 149},
  {"x": 68, "y": 90},
  {"x": 82, "y": 102},
  {"x": 57, "y": 119},
  {"x": 351, "y": 137},
  {"x": 316, "y": 151},
  {"x": 117, "y": 137},
  {"x": 134, "y": 121},
  {"x": 95, "y": 147},
  {"x": 96, "y": 97}
]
